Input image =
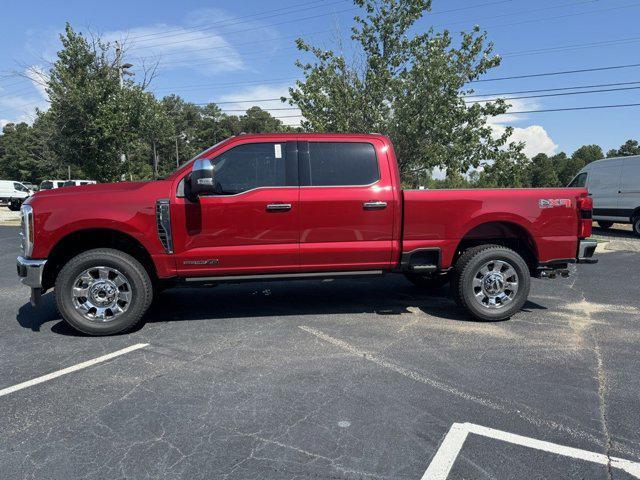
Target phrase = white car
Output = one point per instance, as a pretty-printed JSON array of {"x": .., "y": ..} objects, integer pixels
[
  {"x": 614, "y": 184},
  {"x": 13, "y": 193}
]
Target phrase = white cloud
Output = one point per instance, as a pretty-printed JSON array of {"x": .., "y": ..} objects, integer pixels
[
  {"x": 262, "y": 92},
  {"x": 536, "y": 139}
]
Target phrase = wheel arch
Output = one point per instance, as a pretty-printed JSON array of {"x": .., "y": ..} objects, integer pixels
[
  {"x": 501, "y": 232},
  {"x": 82, "y": 240}
]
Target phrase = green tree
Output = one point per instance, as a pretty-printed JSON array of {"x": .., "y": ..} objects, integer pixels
[
  {"x": 94, "y": 119},
  {"x": 543, "y": 173},
  {"x": 629, "y": 148},
  {"x": 24, "y": 152},
  {"x": 410, "y": 87},
  {"x": 505, "y": 173},
  {"x": 569, "y": 167}
]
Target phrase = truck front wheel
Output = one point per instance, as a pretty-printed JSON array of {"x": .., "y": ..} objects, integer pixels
[
  {"x": 492, "y": 282},
  {"x": 103, "y": 292}
]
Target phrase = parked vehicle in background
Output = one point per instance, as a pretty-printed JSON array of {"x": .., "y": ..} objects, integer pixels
[
  {"x": 13, "y": 193},
  {"x": 34, "y": 188},
  {"x": 614, "y": 185},
  {"x": 287, "y": 206},
  {"x": 77, "y": 183},
  {"x": 51, "y": 184}
]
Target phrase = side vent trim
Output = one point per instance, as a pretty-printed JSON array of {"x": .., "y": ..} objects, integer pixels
[{"x": 163, "y": 223}]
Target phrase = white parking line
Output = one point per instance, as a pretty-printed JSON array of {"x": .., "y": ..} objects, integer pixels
[
  {"x": 446, "y": 455},
  {"x": 73, "y": 368}
]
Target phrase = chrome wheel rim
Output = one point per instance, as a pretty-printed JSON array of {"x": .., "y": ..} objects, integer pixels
[
  {"x": 495, "y": 284},
  {"x": 101, "y": 294}
]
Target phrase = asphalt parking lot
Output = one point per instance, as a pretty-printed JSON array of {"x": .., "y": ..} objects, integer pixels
[{"x": 349, "y": 379}]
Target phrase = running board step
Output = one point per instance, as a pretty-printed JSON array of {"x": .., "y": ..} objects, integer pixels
[
  {"x": 423, "y": 268},
  {"x": 283, "y": 276}
]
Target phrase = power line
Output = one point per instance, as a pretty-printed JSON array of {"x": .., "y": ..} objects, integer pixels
[
  {"x": 552, "y": 89},
  {"x": 229, "y": 84},
  {"x": 296, "y": 20},
  {"x": 556, "y": 94},
  {"x": 575, "y": 46},
  {"x": 562, "y": 16},
  {"x": 191, "y": 31},
  {"x": 493, "y": 99},
  {"x": 521, "y": 12},
  {"x": 258, "y": 42},
  {"x": 568, "y": 109},
  {"x": 591, "y": 107},
  {"x": 562, "y": 72},
  {"x": 222, "y": 22},
  {"x": 321, "y": 15}
]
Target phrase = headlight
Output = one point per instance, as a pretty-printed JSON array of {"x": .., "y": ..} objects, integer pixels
[{"x": 26, "y": 231}]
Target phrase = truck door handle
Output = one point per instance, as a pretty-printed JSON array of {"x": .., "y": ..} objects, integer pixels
[
  {"x": 279, "y": 207},
  {"x": 374, "y": 205}
]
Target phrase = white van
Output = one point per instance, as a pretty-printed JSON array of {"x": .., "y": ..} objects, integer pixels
[
  {"x": 77, "y": 183},
  {"x": 51, "y": 184},
  {"x": 13, "y": 193},
  {"x": 614, "y": 184}
]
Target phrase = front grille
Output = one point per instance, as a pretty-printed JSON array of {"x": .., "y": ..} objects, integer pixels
[{"x": 163, "y": 224}]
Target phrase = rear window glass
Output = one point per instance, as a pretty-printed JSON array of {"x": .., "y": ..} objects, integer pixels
[{"x": 342, "y": 164}]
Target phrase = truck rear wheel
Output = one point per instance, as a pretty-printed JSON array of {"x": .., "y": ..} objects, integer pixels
[
  {"x": 103, "y": 292},
  {"x": 492, "y": 282}
]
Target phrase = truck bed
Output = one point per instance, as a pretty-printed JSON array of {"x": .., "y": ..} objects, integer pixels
[{"x": 548, "y": 218}]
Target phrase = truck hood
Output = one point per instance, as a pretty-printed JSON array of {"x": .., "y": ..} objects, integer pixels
[{"x": 100, "y": 188}]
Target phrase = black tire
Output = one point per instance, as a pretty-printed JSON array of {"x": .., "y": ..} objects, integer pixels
[
  {"x": 468, "y": 266},
  {"x": 604, "y": 224},
  {"x": 135, "y": 273},
  {"x": 15, "y": 205},
  {"x": 636, "y": 226},
  {"x": 428, "y": 282}
]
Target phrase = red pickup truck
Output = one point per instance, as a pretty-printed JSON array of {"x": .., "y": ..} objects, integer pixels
[{"x": 283, "y": 206}]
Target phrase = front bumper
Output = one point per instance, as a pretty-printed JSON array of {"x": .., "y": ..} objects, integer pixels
[
  {"x": 586, "y": 249},
  {"x": 30, "y": 272}
]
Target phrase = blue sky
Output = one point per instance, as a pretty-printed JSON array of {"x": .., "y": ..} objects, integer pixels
[{"x": 234, "y": 51}]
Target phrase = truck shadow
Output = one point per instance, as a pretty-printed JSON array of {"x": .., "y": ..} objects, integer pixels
[
  {"x": 613, "y": 232},
  {"x": 390, "y": 296}
]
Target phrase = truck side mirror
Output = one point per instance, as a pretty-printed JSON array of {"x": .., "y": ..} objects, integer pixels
[{"x": 200, "y": 180}]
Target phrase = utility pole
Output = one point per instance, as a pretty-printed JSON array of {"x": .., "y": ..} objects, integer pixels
[
  {"x": 155, "y": 161},
  {"x": 122, "y": 70}
]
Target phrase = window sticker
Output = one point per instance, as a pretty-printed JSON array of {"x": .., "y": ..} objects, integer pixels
[{"x": 278, "y": 150}]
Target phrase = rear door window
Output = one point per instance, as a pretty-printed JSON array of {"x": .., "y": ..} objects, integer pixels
[{"x": 331, "y": 164}]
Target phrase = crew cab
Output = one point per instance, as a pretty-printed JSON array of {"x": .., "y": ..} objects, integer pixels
[{"x": 286, "y": 206}]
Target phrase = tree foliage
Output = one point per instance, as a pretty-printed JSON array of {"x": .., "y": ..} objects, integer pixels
[
  {"x": 410, "y": 87},
  {"x": 93, "y": 120}
]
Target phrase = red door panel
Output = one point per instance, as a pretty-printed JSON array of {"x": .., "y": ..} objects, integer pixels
[
  {"x": 347, "y": 227},
  {"x": 238, "y": 234}
]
